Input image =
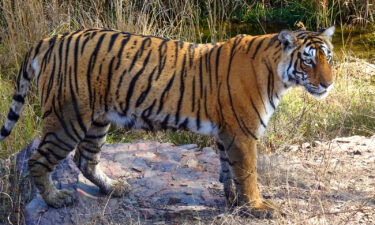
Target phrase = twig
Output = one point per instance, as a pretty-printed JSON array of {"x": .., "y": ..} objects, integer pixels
[{"x": 11, "y": 201}]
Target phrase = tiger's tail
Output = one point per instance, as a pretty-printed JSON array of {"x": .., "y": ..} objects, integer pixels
[{"x": 25, "y": 75}]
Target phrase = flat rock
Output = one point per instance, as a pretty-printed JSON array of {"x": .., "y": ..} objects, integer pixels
[{"x": 167, "y": 183}]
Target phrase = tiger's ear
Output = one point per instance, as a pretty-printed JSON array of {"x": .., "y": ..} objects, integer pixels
[
  {"x": 328, "y": 33},
  {"x": 287, "y": 39}
]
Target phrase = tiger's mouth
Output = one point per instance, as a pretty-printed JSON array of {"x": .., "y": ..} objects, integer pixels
[
  {"x": 318, "y": 91},
  {"x": 322, "y": 94}
]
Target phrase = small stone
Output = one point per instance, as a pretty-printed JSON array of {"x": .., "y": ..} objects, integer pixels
[
  {"x": 188, "y": 192},
  {"x": 293, "y": 148},
  {"x": 316, "y": 143},
  {"x": 192, "y": 163},
  {"x": 188, "y": 146},
  {"x": 137, "y": 169},
  {"x": 342, "y": 140},
  {"x": 306, "y": 145},
  {"x": 357, "y": 152},
  {"x": 174, "y": 200},
  {"x": 147, "y": 213},
  {"x": 320, "y": 186}
]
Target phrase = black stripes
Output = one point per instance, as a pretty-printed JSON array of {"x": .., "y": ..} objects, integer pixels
[
  {"x": 91, "y": 66},
  {"x": 90, "y": 150},
  {"x": 112, "y": 41},
  {"x": 250, "y": 44},
  {"x": 258, "y": 47},
  {"x": 37, "y": 49},
  {"x": 217, "y": 59},
  {"x": 76, "y": 108},
  {"x": 19, "y": 98},
  {"x": 239, "y": 120},
  {"x": 162, "y": 50},
  {"x": 124, "y": 41},
  {"x": 184, "y": 125},
  {"x": 97, "y": 136},
  {"x": 144, "y": 94},
  {"x": 182, "y": 90},
  {"x": 33, "y": 163},
  {"x": 13, "y": 116},
  {"x": 146, "y": 114},
  {"x": 100, "y": 124},
  {"x": 75, "y": 62},
  {"x": 164, "y": 93},
  {"x": 109, "y": 82},
  {"x": 220, "y": 146},
  {"x": 139, "y": 53},
  {"x": 225, "y": 159},
  {"x": 270, "y": 86},
  {"x": 258, "y": 114},
  {"x": 193, "y": 95},
  {"x": 134, "y": 81},
  {"x": 4, "y": 132}
]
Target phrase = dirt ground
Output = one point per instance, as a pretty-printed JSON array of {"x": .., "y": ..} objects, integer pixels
[{"x": 322, "y": 183}]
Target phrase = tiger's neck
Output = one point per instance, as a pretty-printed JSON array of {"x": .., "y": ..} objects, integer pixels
[
  {"x": 248, "y": 86},
  {"x": 232, "y": 85}
]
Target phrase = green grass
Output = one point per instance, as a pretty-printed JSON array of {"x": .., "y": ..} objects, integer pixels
[
  {"x": 27, "y": 128},
  {"x": 175, "y": 137},
  {"x": 288, "y": 15}
]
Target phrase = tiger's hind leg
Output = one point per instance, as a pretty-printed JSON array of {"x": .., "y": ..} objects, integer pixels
[
  {"x": 56, "y": 144},
  {"x": 87, "y": 158}
]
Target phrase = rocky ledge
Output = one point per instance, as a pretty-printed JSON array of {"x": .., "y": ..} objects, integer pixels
[
  {"x": 317, "y": 183},
  {"x": 167, "y": 183}
]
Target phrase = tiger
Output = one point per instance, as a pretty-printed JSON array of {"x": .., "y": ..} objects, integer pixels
[{"x": 92, "y": 78}]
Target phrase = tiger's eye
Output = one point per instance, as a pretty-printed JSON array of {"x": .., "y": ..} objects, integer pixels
[{"x": 307, "y": 61}]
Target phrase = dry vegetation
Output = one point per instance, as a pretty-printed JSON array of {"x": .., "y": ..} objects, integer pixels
[{"x": 349, "y": 110}]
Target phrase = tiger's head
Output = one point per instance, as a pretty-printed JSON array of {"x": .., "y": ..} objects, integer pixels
[{"x": 307, "y": 60}]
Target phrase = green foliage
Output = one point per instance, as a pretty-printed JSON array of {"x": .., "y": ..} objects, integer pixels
[
  {"x": 313, "y": 14},
  {"x": 286, "y": 15},
  {"x": 175, "y": 137}
]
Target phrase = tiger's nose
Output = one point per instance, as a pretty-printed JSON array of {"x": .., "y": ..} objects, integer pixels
[{"x": 326, "y": 84}]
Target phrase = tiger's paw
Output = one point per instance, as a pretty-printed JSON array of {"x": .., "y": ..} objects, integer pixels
[
  {"x": 118, "y": 188},
  {"x": 59, "y": 198},
  {"x": 262, "y": 209}
]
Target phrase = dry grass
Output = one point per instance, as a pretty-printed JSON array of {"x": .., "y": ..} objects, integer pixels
[{"x": 348, "y": 110}]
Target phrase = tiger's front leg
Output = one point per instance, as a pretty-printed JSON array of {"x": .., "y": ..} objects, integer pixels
[{"x": 241, "y": 189}]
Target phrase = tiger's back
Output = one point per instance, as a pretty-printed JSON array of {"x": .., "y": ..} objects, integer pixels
[{"x": 136, "y": 81}]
